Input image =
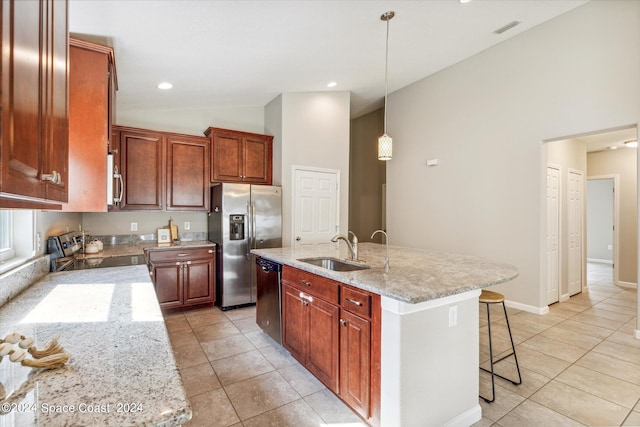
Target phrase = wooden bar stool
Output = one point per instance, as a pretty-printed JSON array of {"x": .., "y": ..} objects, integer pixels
[{"x": 489, "y": 297}]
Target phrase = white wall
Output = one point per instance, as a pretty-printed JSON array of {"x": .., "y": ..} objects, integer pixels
[
  {"x": 310, "y": 129},
  {"x": 195, "y": 121},
  {"x": 486, "y": 118}
]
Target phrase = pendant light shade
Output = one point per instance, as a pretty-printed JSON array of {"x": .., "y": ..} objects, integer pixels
[
  {"x": 385, "y": 147},
  {"x": 385, "y": 142}
]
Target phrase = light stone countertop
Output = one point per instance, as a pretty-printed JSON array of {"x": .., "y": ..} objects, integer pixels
[
  {"x": 122, "y": 365},
  {"x": 138, "y": 248},
  {"x": 415, "y": 275}
]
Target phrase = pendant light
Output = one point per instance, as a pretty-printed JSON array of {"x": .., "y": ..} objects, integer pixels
[{"x": 385, "y": 142}]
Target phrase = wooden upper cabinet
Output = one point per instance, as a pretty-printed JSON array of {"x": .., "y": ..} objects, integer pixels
[
  {"x": 187, "y": 173},
  {"x": 142, "y": 168},
  {"x": 92, "y": 85},
  {"x": 240, "y": 156},
  {"x": 161, "y": 170},
  {"x": 34, "y": 141}
]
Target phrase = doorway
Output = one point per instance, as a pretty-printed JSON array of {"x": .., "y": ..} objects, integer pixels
[
  {"x": 601, "y": 228},
  {"x": 316, "y": 206}
]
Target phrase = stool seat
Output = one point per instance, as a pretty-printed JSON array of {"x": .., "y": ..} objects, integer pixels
[{"x": 490, "y": 297}]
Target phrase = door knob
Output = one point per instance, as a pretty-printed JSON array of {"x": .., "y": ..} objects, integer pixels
[{"x": 298, "y": 239}]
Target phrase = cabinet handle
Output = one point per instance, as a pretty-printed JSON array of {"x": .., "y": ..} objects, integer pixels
[
  {"x": 210, "y": 251},
  {"x": 183, "y": 255},
  {"x": 118, "y": 176},
  {"x": 304, "y": 282},
  {"x": 54, "y": 177},
  {"x": 306, "y": 297},
  {"x": 358, "y": 303},
  {"x": 343, "y": 322}
]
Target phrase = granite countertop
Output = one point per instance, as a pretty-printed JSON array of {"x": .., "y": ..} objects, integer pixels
[
  {"x": 122, "y": 370},
  {"x": 139, "y": 248},
  {"x": 415, "y": 275}
]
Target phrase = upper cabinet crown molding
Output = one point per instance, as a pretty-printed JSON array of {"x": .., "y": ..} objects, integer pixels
[{"x": 238, "y": 156}]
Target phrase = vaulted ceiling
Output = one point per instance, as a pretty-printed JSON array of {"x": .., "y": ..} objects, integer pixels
[{"x": 245, "y": 53}]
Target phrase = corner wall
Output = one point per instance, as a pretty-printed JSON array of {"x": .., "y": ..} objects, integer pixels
[
  {"x": 368, "y": 175},
  {"x": 485, "y": 119},
  {"x": 310, "y": 129}
]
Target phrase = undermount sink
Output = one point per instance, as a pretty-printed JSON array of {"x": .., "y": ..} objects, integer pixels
[{"x": 334, "y": 264}]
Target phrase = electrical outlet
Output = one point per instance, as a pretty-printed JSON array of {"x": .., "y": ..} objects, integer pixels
[
  {"x": 134, "y": 226},
  {"x": 38, "y": 241},
  {"x": 187, "y": 225},
  {"x": 453, "y": 316}
]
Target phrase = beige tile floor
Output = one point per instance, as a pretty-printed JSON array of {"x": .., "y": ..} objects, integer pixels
[
  {"x": 235, "y": 375},
  {"x": 580, "y": 365}
]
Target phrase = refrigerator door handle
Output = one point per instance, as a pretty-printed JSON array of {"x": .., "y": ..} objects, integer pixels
[
  {"x": 253, "y": 225},
  {"x": 249, "y": 231}
]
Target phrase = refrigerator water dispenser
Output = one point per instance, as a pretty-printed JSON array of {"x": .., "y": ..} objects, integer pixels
[{"x": 236, "y": 227}]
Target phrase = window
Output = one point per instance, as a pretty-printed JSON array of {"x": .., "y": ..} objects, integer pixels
[
  {"x": 17, "y": 243},
  {"x": 6, "y": 235}
]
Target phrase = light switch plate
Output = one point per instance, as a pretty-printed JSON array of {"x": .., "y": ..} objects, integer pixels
[{"x": 134, "y": 226}]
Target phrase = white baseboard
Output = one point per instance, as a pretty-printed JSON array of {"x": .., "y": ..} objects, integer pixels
[
  {"x": 600, "y": 261},
  {"x": 629, "y": 285},
  {"x": 526, "y": 307},
  {"x": 467, "y": 418}
]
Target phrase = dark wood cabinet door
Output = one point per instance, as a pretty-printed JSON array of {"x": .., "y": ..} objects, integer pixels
[
  {"x": 295, "y": 323},
  {"x": 258, "y": 159},
  {"x": 167, "y": 278},
  {"x": 187, "y": 173},
  {"x": 56, "y": 105},
  {"x": 324, "y": 330},
  {"x": 355, "y": 362},
  {"x": 23, "y": 124},
  {"x": 142, "y": 168},
  {"x": 89, "y": 126},
  {"x": 227, "y": 161},
  {"x": 199, "y": 279}
]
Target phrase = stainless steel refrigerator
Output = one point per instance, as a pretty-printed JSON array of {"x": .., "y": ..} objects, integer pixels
[{"x": 242, "y": 217}]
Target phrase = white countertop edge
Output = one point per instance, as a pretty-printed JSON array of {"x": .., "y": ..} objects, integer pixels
[{"x": 399, "y": 307}]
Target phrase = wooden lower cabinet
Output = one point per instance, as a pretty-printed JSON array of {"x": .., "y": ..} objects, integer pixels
[
  {"x": 337, "y": 340},
  {"x": 183, "y": 277},
  {"x": 311, "y": 334},
  {"x": 355, "y": 362}
]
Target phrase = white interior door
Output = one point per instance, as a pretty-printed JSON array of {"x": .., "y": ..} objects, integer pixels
[
  {"x": 575, "y": 208},
  {"x": 315, "y": 206},
  {"x": 553, "y": 235}
]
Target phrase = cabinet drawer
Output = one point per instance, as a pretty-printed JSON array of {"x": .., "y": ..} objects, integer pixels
[
  {"x": 180, "y": 254},
  {"x": 312, "y": 284},
  {"x": 357, "y": 302}
]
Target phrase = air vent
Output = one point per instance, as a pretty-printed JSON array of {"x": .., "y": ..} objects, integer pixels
[{"x": 507, "y": 27}]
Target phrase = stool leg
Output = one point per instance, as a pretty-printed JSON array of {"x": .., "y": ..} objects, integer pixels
[
  {"x": 513, "y": 347},
  {"x": 493, "y": 379}
]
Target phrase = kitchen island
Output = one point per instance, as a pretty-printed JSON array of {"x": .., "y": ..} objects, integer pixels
[
  {"x": 121, "y": 369},
  {"x": 429, "y": 340}
]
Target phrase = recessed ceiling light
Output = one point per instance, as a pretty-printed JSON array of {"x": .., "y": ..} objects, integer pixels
[
  {"x": 631, "y": 144},
  {"x": 332, "y": 84},
  {"x": 165, "y": 85},
  {"x": 612, "y": 147},
  {"x": 464, "y": 1}
]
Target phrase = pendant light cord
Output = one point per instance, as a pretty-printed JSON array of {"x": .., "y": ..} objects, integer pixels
[{"x": 386, "y": 17}]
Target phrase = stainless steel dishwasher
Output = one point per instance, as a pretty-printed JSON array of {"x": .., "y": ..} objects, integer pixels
[{"x": 268, "y": 309}]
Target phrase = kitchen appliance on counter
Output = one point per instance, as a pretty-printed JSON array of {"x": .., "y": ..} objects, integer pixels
[
  {"x": 242, "y": 217},
  {"x": 63, "y": 248},
  {"x": 268, "y": 309}
]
